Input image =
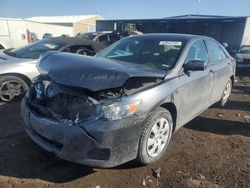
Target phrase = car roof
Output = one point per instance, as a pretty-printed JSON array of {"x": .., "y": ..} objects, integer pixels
[
  {"x": 79, "y": 41},
  {"x": 169, "y": 36},
  {"x": 99, "y": 32}
]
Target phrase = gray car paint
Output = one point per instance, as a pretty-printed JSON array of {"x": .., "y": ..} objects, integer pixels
[
  {"x": 13, "y": 65},
  {"x": 86, "y": 72},
  {"x": 190, "y": 92},
  {"x": 27, "y": 67}
]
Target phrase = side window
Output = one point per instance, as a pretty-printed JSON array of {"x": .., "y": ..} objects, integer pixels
[
  {"x": 81, "y": 49},
  {"x": 215, "y": 51},
  {"x": 113, "y": 38},
  {"x": 104, "y": 39},
  {"x": 223, "y": 53},
  {"x": 197, "y": 51}
]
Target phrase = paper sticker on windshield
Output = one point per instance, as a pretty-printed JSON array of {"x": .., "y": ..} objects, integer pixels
[
  {"x": 51, "y": 46},
  {"x": 170, "y": 43}
]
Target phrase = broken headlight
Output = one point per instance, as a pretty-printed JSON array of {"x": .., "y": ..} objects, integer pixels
[
  {"x": 120, "y": 110},
  {"x": 39, "y": 87}
]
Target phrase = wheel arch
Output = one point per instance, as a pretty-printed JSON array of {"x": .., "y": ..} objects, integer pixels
[{"x": 173, "y": 111}]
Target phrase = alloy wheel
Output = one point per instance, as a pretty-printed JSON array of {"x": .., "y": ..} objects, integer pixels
[
  {"x": 158, "y": 137},
  {"x": 10, "y": 89},
  {"x": 227, "y": 92}
]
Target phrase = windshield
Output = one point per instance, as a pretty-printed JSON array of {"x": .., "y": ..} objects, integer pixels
[
  {"x": 35, "y": 49},
  {"x": 151, "y": 52},
  {"x": 244, "y": 50},
  {"x": 89, "y": 36}
]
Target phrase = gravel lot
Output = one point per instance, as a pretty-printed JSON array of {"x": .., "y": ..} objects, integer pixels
[{"x": 211, "y": 151}]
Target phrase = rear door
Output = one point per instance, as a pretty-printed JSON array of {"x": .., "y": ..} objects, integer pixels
[{"x": 219, "y": 65}]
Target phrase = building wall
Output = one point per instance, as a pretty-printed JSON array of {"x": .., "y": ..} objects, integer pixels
[
  {"x": 104, "y": 25},
  {"x": 228, "y": 31},
  {"x": 246, "y": 36},
  {"x": 40, "y": 29},
  {"x": 232, "y": 34},
  {"x": 87, "y": 25},
  {"x": 12, "y": 33}
]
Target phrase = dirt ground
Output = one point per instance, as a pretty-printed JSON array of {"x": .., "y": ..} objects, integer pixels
[{"x": 211, "y": 151}]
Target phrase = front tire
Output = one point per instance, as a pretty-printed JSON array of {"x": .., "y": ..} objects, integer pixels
[
  {"x": 226, "y": 93},
  {"x": 11, "y": 87},
  {"x": 156, "y": 136}
]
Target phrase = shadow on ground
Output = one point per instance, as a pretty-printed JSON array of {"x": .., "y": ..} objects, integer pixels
[
  {"x": 235, "y": 105},
  {"x": 21, "y": 158},
  {"x": 217, "y": 126},
  {"x": 243, "y": 71}
]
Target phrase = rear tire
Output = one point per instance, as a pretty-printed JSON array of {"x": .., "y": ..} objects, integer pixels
[
  {"x": 156, "y": 136},
  {"x": 12, "y": 87},
  {"x": 226, "y": 93}
]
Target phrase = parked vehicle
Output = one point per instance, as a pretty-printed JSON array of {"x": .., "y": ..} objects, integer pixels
[
  {"x": 18, "y": 66},
  {"x": 65, "y": 35},
  {"x": 12, "y": 33},
  {"x": 243, "y": 56},
  {"x": 34, "y": 37},
  {"x": 47, "y": 35},
  {"x": 126, "y": 102},
  {"x": 105, "y": 37},
  {"x": 31, "y": 36}
]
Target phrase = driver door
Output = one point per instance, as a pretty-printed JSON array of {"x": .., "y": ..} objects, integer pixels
[{"x": 196, "y": 86}]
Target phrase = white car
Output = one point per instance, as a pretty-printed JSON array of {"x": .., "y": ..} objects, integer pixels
[
  {"x": 243, "y": 56},
  {"x": 18, "y": 66}
]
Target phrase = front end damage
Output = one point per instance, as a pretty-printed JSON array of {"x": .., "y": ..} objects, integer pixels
[
  {"x": 93, "y": 127},
  {"x": 75, "y": 105},
  {"x": 60, "y": 104},
  {"x": 70, "y": 123}
]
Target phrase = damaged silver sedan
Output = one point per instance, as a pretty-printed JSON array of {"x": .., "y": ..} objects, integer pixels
[{"x": 126, "y": 102}]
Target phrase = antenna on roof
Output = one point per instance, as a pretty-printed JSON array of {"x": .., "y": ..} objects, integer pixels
[{"x": 199, "y": 2}]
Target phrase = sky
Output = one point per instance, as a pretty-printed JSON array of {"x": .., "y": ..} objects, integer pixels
[{"x": 125, "y": 9}]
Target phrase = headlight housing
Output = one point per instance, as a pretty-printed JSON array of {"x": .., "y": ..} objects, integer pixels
[{"x": 120, "y": 110}]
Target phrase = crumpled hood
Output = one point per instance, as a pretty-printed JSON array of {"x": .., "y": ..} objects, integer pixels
[{"x": 91, "y": 73}]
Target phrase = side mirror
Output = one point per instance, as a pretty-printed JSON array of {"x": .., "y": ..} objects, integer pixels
[
  {"x": 194, "y": 65},
  {"x": 225, "y": 45}
]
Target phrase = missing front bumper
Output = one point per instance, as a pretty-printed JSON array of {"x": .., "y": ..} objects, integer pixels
[{"x": 98, "y": 144}]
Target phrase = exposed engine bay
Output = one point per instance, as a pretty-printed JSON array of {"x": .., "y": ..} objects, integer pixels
[
  {"x": 74, "y": 105},
  {"x": 76, "y": 91}
]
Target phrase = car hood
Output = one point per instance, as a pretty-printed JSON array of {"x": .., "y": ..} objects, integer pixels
[
  {"x": 6, "y": 59},
  {"x": 91, "y": 73}
]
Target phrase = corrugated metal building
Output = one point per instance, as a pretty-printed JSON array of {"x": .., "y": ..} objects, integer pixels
[{"x": 235, "y": 31}]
